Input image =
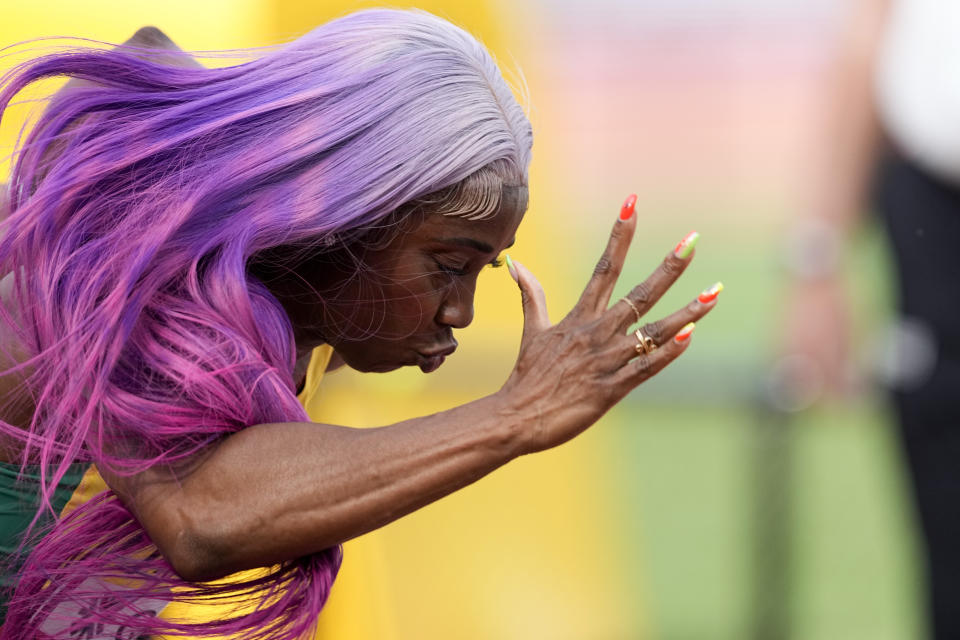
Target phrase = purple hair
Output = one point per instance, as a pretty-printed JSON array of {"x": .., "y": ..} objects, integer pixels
[{"x": 149, "y": 339}]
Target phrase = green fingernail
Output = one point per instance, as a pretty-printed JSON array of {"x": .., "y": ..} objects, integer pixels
[
  {"x": 685, "y": 247},
  {"x": 512, "y": 269}
]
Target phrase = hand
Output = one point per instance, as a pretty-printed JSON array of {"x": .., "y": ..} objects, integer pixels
[
  {"x": 569, "y": 374},
  {"x": 816, "y": 357}
]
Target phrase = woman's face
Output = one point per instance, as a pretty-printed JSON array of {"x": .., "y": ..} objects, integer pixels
[{"x": 402, "y": 310}]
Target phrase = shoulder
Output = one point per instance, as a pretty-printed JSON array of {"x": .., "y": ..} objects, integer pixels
[{"x": 151, "y": 37}]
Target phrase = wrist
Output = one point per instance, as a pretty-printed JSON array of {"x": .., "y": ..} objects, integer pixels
[
  {"x": 512, "y": 424},
  {"x": 813, "y": 250}
]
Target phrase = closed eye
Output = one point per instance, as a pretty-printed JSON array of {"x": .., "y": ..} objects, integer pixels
[
  {"x": 452, "y": 270},
  {"x": 462, "y": 270}
]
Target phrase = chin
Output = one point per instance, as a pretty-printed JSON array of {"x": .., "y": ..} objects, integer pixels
[
  {"x": 427, "y": 365},
  {"x": 375, "y": 367}
]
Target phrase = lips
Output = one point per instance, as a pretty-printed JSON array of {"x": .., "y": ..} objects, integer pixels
[{"x": 431, "y": 360}]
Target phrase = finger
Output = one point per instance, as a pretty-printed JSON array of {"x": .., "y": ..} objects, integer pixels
[
  {"x": 532, "y": 297},
  {"x": 596, "y": 295},
  {"x": 665, "y": 328},
  {"x": 646, "y": 294},
  {"x": 645, "y": 366}
]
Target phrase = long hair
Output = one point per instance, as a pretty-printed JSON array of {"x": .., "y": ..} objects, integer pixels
[{"x": 149, "y": 338}]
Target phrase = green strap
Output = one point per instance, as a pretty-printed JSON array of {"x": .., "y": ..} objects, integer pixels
[{"x": 19, "y": 499}]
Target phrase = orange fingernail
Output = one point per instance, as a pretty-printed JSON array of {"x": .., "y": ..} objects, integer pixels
[
  {"x": 685, "y": 247},
  {"x": 710, "y": 294},
  {"x": 626, "y": 211},
  {"x": 684, "y": 334}
]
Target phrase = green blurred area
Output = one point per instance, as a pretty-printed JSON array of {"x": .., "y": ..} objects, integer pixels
[
  {"x": 687, "y": 483},
  {"x": 689, "y": 450}
]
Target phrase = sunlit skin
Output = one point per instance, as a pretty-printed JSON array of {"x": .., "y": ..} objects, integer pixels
[{"x": 276, "y": 492}]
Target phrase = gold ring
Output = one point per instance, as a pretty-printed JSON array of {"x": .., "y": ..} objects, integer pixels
[
  {"x": 632, "y": 306},
  {"x": 645, "y": 344}
]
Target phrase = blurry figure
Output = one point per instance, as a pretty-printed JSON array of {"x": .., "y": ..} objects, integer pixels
[{"x": 893, "y": 120}]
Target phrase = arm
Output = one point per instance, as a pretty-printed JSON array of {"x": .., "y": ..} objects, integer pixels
[
  {"x": 276, "y": 492},
  {"x": 839, "y": 164},
  {"x": 842, "y": 154}
]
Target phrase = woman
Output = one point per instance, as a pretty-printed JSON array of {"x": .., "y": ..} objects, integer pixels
[
  {"x": 888, "y": 143},
  {"x": 181, "y": 241}
]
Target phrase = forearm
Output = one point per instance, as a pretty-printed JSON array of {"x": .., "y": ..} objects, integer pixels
[
  {"x": 844, "y": 145},
  {"x": 275, "y": 492}
]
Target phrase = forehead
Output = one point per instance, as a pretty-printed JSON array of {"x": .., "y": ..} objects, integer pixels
[{"x": 496, "y": 230}]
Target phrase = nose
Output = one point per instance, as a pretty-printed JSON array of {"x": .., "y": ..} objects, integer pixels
[{"x": 456, "y": 310}]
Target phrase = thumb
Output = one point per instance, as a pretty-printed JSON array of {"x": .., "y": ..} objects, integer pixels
[{"x": 532, "y": 297}]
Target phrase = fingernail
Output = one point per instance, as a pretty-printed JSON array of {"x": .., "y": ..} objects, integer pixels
[
  {"x": 684, "y": 334},
  {"x": 685, "y": 246},
  {"x": 626, "y": 211},
  {"x": 710, "y": 294},
  {"x": 512, "y": 269}
]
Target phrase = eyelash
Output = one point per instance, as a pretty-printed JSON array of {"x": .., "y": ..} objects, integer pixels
[{"x": 457, "y": 271}]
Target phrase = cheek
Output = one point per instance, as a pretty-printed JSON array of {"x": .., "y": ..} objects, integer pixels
[
  {"x": 396, "y": 308},
  {"x": 416, "y": 306}
]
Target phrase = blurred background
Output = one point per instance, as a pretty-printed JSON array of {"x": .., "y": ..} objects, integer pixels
[{"x": 694, "y": 509}]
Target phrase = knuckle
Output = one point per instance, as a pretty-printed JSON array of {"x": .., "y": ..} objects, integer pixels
[
  {"x": 565, "y": 341},
  {"x": 608, "y": 394},
  {"x": 642, "y": 294},
  {"x": 673, "y": 266},
  {"x": 576, "y": 341},
  {"x": 654, "y": 330},
  {"x": 582, "y": 339},
  {"x": 604, "y": 266},
  {"x": 599, "y": 335},
  {"x": 642, "y": 366}
]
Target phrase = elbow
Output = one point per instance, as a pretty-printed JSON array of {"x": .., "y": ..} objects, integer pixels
[
  {"x": 193, "y": 552},
  {"x": 191, "y": 559}
]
